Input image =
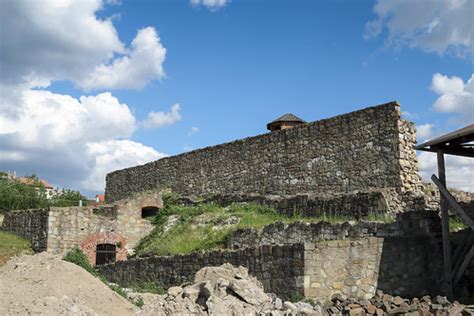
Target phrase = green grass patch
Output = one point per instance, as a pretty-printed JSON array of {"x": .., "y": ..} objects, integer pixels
[
  {"x": 149, "y": 287},
  {"x": 207, "y": 226},
  {"x": 12, "y": 245},
  {"x": 456, "y": 223}
]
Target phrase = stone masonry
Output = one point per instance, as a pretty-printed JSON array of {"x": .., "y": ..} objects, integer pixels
[
  {"x": 59, "y": 229},
  {"x": 363, "y": 151}
]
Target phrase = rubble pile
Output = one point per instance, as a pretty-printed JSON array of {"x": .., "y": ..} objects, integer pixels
[{"x": 384, "y": 304}]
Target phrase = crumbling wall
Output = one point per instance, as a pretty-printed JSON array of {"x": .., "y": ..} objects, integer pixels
[
  {"x": 362, "y": 151},
  {"x": 120, "y": 224},
  {"x": 30, "y": 224},
  {"x": 279, "y": 268}
]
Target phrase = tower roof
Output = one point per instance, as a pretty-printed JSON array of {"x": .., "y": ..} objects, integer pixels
[{"x": 285, "y": 118}]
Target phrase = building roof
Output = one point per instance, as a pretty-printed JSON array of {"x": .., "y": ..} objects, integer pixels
[
  {"x": 100, "y": 197},
  {"x": 31, "y": 181},
  {"x": 459, "y": 142},
  {"x": 288, "y": 117}
]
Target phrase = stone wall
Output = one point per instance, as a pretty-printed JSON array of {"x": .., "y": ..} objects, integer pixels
[
  {"x": 120, "y": 224},
  {"x": 30, "y": 224},
  {"x": 412, "y": 224},
  {"x": 353, "y": 267},
  {"x": 59, "y": 229},
  {"x": 279, "y": 268},
  {"x": 357, "y": 268},
  {"x": 366, "y": 150}
]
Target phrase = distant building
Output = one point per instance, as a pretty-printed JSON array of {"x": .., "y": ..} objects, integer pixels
[
  {"x": 50, "y": 191},
  {"x": 100, "y": 199}
]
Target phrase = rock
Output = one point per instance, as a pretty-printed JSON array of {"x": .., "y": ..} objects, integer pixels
[
  {"x": 290, "y": 306},
  {"x": 397, "y": 300},
  {"x": 175, "y": 291},
  {"x": 371, "y": 309},
  {"x": 249, "y": 292},
  {"x": 191, "y": 293},
  {"x": 278, "y": 303},
  {"x": 442, "y": 300},
  {"x": 302, "y": 305},
  {"x": 358, "y": 311}
]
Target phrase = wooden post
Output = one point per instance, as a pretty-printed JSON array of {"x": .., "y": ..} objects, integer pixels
[{"x": 445, "y": 229}]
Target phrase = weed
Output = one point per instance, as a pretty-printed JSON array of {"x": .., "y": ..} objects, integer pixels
[
  {"x": 149, "y": 287},
  {"x": 117, "y": 289},
  {"x": 77, "y": 257},
  {"x": 139, "y": 302}
]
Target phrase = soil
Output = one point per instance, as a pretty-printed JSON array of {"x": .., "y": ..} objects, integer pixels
[{"x": 44, "y": 284}]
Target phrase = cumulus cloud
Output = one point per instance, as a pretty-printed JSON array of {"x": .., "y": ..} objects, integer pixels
[
  {"x": 71, "y": 141},
  {"x": 51, "y": 40},
  {"x": 433, "y": 25},
  {"x": 74, "y": 141},
  {"x": 161, "y": 119},
  {"x": 455, "y": 96},
  {"x": 110, "y": 155},
  {"x": 424, "y": 131},
  {"x": 210, "y": 4},
  {"x": 459, "y": 170},
  {"x": 142, "y": 64}
]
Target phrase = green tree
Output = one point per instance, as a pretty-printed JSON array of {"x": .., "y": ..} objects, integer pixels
[
  {"x": 16, "y": 196},
  {"x": 68, "y": 198}
]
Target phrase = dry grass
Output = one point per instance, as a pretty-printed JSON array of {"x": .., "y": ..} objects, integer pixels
[{"x": 12, "y": 245}]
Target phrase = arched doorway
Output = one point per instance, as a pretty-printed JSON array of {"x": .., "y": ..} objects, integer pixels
[
  {"x": 149, "y": 211},
  {"x": 105, "y": 253}
]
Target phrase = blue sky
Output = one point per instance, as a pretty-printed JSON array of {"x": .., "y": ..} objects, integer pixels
[{"x": 229, "y": 68}]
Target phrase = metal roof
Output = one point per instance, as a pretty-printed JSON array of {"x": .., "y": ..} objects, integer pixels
[{"x": 460, "y": 143}]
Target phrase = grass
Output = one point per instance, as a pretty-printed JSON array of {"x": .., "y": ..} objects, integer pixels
[
  {"x": 206, "y": 226},
  {"x": 456, "y": 224},
  {"x": 149, "y": 287},
  {"x": 12, "y": 245}
]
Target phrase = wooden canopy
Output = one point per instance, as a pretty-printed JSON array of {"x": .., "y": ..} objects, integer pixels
[{"x": 459, "y": 143}]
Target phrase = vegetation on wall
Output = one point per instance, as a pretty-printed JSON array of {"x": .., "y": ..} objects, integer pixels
[{"x": 184, "y": 229}]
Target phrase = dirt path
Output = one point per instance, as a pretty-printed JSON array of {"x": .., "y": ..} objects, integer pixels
[{"x": 44, "y": 284}]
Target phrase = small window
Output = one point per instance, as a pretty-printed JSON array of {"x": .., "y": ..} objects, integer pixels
[
  {"x": 149, "y": 211},
  {"x": 105, "y": 253}
]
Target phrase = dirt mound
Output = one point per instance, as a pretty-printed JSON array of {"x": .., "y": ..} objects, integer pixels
[{"x": 44, "y": 284}]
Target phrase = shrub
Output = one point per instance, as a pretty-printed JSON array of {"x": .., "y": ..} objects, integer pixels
[
  {"x": 149, "y": 287},
  {"x": 77, "y": 257}
]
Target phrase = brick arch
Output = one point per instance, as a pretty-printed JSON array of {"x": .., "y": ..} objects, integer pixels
[{"x": 89, "y": 245}]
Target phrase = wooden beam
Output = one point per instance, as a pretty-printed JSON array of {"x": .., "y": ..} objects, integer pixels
[
  {"x": 452, "y": 202},
  {"x": 463, "y": 266},
  {"x": 463, "y": 248},
  {"x": 445, "y": 229}
]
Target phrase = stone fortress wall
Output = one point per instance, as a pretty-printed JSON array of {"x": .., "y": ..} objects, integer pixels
[
  {"x": 318, "y": 260},
  {"x": 363, "y": 151},
  {"x": 59, "y": 229}
]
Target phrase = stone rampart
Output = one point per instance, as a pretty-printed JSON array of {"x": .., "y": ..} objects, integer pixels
[
  {"x": 362, "y": 151},
  {"x": 279, "y": 268},
  {"x": 30, "y": 224},
  {"x": 409, "y": 224},
  {"x": 353, "y": 267}
]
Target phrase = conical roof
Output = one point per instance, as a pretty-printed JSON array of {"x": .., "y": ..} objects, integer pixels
[{"x": 288, "y": 117}]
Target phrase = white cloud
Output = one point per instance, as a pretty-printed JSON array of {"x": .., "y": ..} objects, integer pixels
[
  {"x": 112, "y": 155},
  {"x": 161, "y": 119},
  {"x": 193, "y": 130},
  {"x": 210, "y": 4},
  {"x": 143, "y": 64},
  {"x": 455, "y": 95},
  {"x": 72, "y": 141},
  {"x": 424, "y": 131},
  {"x": 459, "y": 170},
  {"x": 433, "y": 25},
  {"x": 51, "y": 40}
]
